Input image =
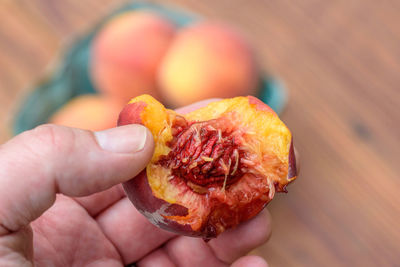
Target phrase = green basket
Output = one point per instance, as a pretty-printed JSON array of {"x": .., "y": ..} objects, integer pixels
[{"x": 71, "y": 77}]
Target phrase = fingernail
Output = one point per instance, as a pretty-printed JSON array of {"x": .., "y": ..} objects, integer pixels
[{"x": 124, "y": 139}]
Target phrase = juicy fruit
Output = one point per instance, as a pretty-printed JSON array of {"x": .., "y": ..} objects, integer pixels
[
  {"x": 212, "y": 168},
  {"x": 127, "y": 52},
  {"x": 89, "y": 112},
  {"x": 207, "y": 60},
  {"x": 203, "y": 154}
]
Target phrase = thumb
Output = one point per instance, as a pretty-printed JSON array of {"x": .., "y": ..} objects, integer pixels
[{"x": 40, "y": 163}]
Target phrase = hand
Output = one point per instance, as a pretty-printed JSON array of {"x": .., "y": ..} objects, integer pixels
[{"x": 61, "y": 204}]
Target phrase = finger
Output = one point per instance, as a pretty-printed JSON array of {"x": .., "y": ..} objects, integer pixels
[
  {"x": 131, "y": 233},
  {"x": 253, "y": 261},
  {"x": 189, "y": 251},
  {"x": 98, "y": 202},
  {"x": 237, "y": 242},
  {"x": 54, "y": 159},
  {"x": 225, "y": 249},
  {"x": 197, "y": 105},
  {"x": 156, "y": 258}
]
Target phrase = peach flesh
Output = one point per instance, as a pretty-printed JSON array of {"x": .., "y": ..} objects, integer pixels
[{"x": 204, "y": 155}]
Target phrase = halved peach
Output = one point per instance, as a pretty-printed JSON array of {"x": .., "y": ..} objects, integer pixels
[{"x": 212, "y": 168}]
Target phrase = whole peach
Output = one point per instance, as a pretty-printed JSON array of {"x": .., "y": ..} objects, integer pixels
[
  {"x": 127, "y": 52},
  {"x": 89, "y": 112},
  {"x": 207, "y": 60}
]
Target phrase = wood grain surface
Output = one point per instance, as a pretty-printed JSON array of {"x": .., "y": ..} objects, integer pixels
[{"x": 341, "y": 62}]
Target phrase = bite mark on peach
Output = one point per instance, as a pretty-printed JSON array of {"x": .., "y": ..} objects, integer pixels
[{"x": 260, "y": 105}]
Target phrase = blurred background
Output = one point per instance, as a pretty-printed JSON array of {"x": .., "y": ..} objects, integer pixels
[{"x": 340, "y": 62}]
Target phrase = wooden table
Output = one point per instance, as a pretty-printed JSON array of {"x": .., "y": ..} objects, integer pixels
[{"x": 341, "y": 62}]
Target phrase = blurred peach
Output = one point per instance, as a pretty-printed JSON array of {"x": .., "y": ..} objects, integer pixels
[
  {"x": 207, "y": 60},
  {"x": 126, "y": 54},
  {"x": 89, "y": 112}
]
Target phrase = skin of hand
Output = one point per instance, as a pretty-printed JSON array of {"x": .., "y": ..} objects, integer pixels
[{"x": 61, "y": 204}]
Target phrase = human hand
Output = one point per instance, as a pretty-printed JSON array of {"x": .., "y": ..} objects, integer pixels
[{"x": 60, "y": 195}]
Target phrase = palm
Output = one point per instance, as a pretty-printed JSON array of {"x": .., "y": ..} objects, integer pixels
[
  {"x": 105, "y": 230},
  {"x": 66, "y": 235}
]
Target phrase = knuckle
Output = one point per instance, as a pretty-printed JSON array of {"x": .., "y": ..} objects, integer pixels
[
  {"x": 46, "y": 133},
  {"x": 50, "y": 137}
]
